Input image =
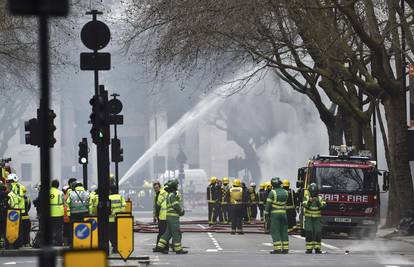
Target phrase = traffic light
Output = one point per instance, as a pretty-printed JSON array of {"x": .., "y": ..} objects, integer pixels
[
  {"x": 33, "y": 136},
  {"x": 117, "y": 152},
  {"x": 51, "y": 115},
  {"x": 83, "y": 151},
  {"x": 99, "y": 117}
]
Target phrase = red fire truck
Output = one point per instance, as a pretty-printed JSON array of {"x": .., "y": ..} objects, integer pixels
[{"x": 350, "y": 187}]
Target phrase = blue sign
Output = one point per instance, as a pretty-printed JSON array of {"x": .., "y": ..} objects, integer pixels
[
  {"x": 13, "y": 216},
  {"x": 82, "y": 231},
  {"x": 93, "y": 223}
]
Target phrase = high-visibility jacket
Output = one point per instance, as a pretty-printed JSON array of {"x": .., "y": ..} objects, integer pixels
[
  {"x": 252, "y": 195},
  {"x": 56, "y": 202},
  {"x": 276, "y": 201},
  {"x": 93, "y": 204},
  {"x": 27, "y": 206},
  {"x": 15, "y": 201},
  {"x": 117, "y": 205},
  {"x": 162, "y": 204},
  {"x": 313, "y": 208},
  {"x": 174, "y": 207},
  {"x": 225, "y": 189},
  {"x": 236, "y": 195},
  {"x": 78, "y": 201},
  {"x": 291, "y": 201},
  {"x": 212, "y": 193}
]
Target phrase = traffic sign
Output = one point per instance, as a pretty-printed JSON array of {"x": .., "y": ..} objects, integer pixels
[
  {"x": 13, "y": 225},
  {"x": 95, "y": 35},
  {"x": 94, "y": 222},
  {"x": 115, "y": 106},
  {"x": 125, "y": 236},
  {"x": 84, "y": 258},
  {"x": 82, "y": 237},
  {"x": 95, "y": 61},
  {"x": 38, "y": 7}
]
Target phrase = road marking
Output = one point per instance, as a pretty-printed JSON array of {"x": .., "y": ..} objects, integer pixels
[
  {"x": 267, "y": 244},
  {"x": 202, "y": 226},
  {"x": 211, "y": 250},
  {"x": 392, "y": 266},
  {"x": 10, "y": 263},
  {"x": 215, "y": 242},
  {"x": 322, "y": 243}
]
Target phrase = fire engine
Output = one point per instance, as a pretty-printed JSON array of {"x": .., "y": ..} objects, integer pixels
[{"x": 349, "y": 184}]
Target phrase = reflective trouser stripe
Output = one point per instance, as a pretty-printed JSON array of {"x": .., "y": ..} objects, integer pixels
[
  {"x": 277, "y": 245},
  {"x": 285, "y": 245},
  {"x": 309, "y": 245},
  {"x": 317, "y": 245},
  {"x": 162, "y": 243}
]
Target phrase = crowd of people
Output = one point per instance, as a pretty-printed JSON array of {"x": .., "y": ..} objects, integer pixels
[{"x": 69, "y": 204}]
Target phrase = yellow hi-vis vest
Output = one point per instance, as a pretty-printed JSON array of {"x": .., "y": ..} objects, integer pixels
[
  {"x": 117, "y": 205},
  {"x": 278, "y": 200},
  {"x": 15, "y": 201},
  {"x": 313, "y": 209},
  {"x": 236, "y": 195},
  {"x": 56, "y": 202},
  {"x": 93, "y": 204},
  {"x": 162, "y": 203}
]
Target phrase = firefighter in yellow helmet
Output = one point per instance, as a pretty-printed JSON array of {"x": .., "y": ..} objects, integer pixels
[
  {"x": 225, "y": 199},
  {"x": 217, "y": 209},
  {"x": 211, "y": 199},
  {"x": 236, "y": 199},
  {"x": 290, "y": 205}
]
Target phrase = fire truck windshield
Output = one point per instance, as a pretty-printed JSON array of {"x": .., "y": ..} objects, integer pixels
[{"x": 344, "y": 179}]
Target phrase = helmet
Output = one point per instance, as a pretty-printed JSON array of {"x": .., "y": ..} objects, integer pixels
[
  {"x": 313, "y": 189},
  {"x": 285, "y": 183},
  {"x": 213, "y": 179},
  {"x": 236, "y": 182},
  {"x": 276, "y": 182},
  {"x": 173, "y": 184},
  {"x": 262, "y": 186},
  {"x": 12, "y": 177},
  {"x": 225, "y": 180},
  {"x": 268, "y": 185},
  {"x": 252, "y": 184}
]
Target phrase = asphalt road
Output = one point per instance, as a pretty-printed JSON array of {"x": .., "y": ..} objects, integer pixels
[{"x": 220, "y": 249}]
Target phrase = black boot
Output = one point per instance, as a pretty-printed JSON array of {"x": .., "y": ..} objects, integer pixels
[
  {"x": 285, "y": 251},
  {"x": 276, "y": 252},
  {"x": 181, "y": 251},
  {"x": 318, "y": 251},
  {"x": 309, "y": 251}
]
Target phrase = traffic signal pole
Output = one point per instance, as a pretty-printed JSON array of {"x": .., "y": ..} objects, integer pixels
[
  {"x": 47, "y": 257},
  {"x": 116, "y": 162}
]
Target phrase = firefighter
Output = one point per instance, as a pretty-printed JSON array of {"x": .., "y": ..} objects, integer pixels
[
  {"x": 117, "y": 205},
  {"x": 225, "y": 200},
  {"x": 261, "y": 197},
  {"x": 57, "y": 200},
  {"x": 246, "y": 204},
  {"x": 313, "y": 203},
  {"x": 160, "y": 209},
  {"x": 26, "y": 224},
  {"x": 290, "y": 205},
  {"x": 276, "y": 212},
  {"x": 217, "y": 208},
  {"x": 211, "y": 199},
  {"x": 4, "y": 199},
  {"x": 93, "y": 201},
  {"x": 174, "y": 211},
  {"x": 253, "y": 201},
  {"x": 268, "y": 188},
  {"x": 236, "y": 199}
]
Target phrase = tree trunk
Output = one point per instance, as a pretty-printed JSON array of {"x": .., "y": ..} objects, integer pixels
[{"x": 401, "y": 195}]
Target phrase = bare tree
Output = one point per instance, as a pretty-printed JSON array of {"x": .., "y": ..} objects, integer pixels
[{"x": 346, "y": 49}]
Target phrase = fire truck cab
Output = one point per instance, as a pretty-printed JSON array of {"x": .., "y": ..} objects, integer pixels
[{"x": 349, "y": 184}]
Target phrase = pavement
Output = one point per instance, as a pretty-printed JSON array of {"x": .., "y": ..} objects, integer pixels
[{"x": 216, "y": 249}]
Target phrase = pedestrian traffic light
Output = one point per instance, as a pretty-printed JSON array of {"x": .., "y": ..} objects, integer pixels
[
  {"x": 117, "y": 152},
  {"x": 51, "y": 115},
  {"x": 33, "y": 136},
  {"x": 83, "y": 151}
]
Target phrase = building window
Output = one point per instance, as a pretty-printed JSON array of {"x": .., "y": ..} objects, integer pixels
[{"x": 26, "y": 172}]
